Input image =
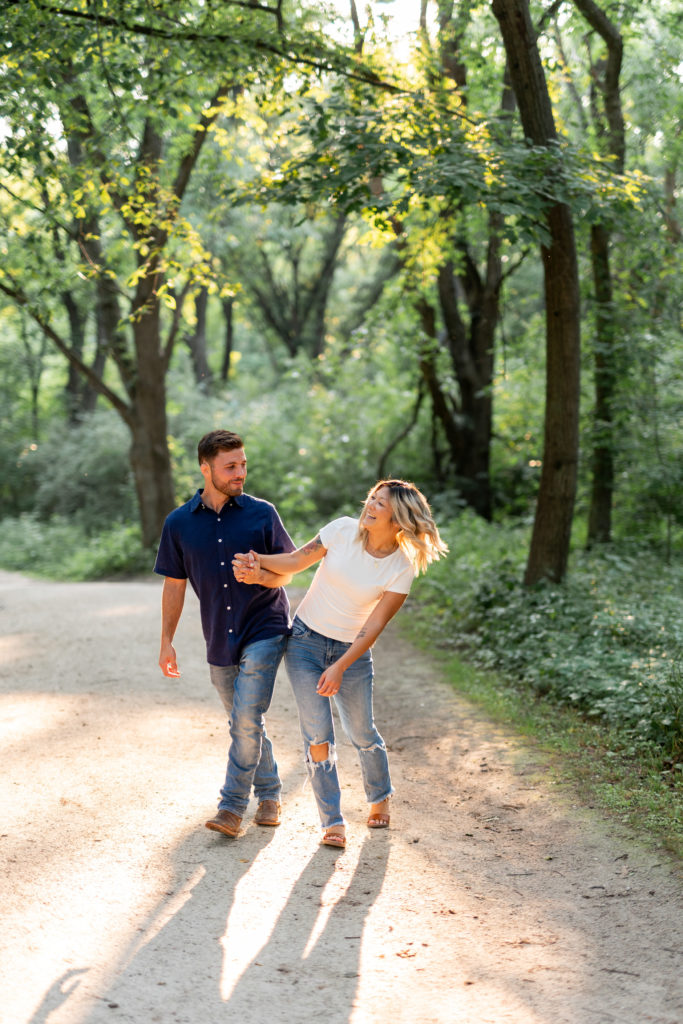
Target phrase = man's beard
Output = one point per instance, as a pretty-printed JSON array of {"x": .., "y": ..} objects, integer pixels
[{"x": 229, "y": 490}]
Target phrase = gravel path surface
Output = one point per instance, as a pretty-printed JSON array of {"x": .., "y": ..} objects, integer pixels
[{"x": 490, "y": 899}]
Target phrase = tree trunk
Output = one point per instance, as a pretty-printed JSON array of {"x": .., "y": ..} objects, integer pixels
[
  {"x": 197, "y": 342},
  {"x": 673, "y": 226},
  {"x": 602, "y": 488},
  {"x": 316, "y": 295},
  {"x": 549, "y": 550},
  {"x": 610, "y": 126},
  {"x": 89, "y": 394},
  {"x": 228, "y": 311},
  {"x": 34, "y": 364},
  {"x": 151, "y": 468},
  {"x": 72, "y": 391},
  {"x": 149, "y": 455},
  {"x": 472, "y": 353},
  {"x": 550, "y": 541},
  {"x": 442, "y": 411}
]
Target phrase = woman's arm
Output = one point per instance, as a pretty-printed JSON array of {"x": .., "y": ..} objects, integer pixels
[
  {"x": 383, "y": 612},
  {"x": 247, "y": 567},
  {"x": 265, "y": 578}
]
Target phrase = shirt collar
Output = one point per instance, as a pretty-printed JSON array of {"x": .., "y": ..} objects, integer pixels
[{"x": 197, "y": 503}]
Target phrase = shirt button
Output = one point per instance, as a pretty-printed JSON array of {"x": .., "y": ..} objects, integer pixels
[
  {"x": 222, "y": 563},
  {"x": 220, "y": 540},
  {"x": 229, "y": 607},
  {"x": 229, "y": 631},
  {"x": 219, "y": 519},
  {"x": 225, "y": 585}
]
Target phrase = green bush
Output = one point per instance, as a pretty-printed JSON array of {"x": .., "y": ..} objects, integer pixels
[
  {"x": 18, "y": 476},
  {"x": 83, "y": 472},
  {"x": 63, "y": 550},
  {"x": 608, "y": 641}
]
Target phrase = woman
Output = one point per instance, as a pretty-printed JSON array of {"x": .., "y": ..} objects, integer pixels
[{"x": 366, "y": 571}]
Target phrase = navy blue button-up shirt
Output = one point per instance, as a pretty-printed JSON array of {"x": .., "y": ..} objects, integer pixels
[{"x": 198, "y": 544}]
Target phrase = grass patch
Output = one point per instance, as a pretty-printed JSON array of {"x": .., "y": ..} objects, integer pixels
[{"x": 631, "y": 788}]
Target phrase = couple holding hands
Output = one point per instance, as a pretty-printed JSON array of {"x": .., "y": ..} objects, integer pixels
[{"x": 238, "y": 557}]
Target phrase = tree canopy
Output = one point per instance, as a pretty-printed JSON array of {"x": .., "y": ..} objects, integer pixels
[{"x": 275, "y": 182}]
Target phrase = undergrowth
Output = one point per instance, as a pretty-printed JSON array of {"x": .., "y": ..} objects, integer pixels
[
  {"x": 63, "y": 550},
  {"x": 607, "y": 642},
  {"x": 592, "y": 667}
]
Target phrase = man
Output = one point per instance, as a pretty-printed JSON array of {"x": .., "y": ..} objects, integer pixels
[{"x": 245, "y": 626}]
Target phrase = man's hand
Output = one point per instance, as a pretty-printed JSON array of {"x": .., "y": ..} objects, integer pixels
[
  {"x": 167, "y": 661},
  {"x": 172, "y": 600},
  {"x": 247, "y": 567}
]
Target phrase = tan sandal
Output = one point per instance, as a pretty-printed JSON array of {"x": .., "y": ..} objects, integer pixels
[
  {"x": 379, "y": 819},
  {"x": 337, "y": 839}
]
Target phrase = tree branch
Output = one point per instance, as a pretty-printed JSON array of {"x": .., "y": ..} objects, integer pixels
[
  {"x": 381, "y": 467},
  {"x": 190, "y": 159},
  {"x": 20, "y": 297},
  {"x": 326, "y": 61},
  {"x": 175, "y": 322}
]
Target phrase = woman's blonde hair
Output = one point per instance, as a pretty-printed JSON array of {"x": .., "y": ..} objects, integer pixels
[{"x": 418, "y": 535}]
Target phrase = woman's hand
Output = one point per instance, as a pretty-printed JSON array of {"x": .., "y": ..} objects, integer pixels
[
  {"x": 247, "y": 567},
  {"x": 330, "y": 681}
]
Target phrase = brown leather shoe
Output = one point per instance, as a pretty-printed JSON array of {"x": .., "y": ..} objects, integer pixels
[
  {"x": 268, "y": 813},
  {"x": 226, "y": 822}
]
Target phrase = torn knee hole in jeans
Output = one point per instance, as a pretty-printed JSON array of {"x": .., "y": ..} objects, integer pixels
[
  {"x": 328, "y": 763},
  {"x": 369, "y": 750}
]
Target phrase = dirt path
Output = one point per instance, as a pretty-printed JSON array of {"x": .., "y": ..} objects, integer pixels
[{"x": 489, "y": 900}]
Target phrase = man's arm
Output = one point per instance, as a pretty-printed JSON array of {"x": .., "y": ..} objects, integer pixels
[{"x": 172, "y": 601}]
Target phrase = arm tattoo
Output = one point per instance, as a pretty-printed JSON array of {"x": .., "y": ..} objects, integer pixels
[{"x": 313, "y": 546}]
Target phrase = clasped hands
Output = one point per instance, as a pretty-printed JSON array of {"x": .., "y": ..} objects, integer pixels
[{"x": 246, "y": 567}]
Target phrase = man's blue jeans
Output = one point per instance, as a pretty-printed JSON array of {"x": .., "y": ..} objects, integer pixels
[
  {"x": 308, "y": 654},
  {"x": 246, "y": 691}
]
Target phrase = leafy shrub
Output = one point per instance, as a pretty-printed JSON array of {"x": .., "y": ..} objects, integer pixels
[
  {"x": 63, "y": 550},
  {"x": 608, "y": 641},
  {"x": 83, "y": 472},
  {"x": 18, "y": 476}
]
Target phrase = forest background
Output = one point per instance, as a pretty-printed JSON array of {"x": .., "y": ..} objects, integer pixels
[{"x": 434, "y": 240}]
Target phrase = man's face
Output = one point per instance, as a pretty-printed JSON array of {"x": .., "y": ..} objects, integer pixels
[{"x": 227, "y": 472}]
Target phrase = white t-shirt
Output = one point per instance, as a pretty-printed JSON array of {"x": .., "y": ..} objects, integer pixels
[{"x": 349, "y": 582}]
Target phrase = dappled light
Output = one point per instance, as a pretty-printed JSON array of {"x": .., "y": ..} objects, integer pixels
[
  {"x": 254, "y": 258},
  {"x": 485, "y": 892}
]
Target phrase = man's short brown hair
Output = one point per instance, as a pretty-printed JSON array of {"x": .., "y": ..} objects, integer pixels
[{"x": 217, "y": 441}]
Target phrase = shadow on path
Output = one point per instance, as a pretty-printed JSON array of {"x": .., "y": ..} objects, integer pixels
[{"x": 243, "y": 927}]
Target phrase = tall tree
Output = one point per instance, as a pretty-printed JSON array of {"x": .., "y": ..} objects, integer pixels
[
  {"x": 468, "y": 292},
  {"x": 109, "y": 108},
  {"x": 608, "y": 118},
  {"x": 550, "y": 542},
  {"x": 290, "y": 283}
]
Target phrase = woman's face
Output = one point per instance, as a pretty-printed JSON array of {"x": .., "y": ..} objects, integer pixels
[{"x": 377, "y": 511}]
